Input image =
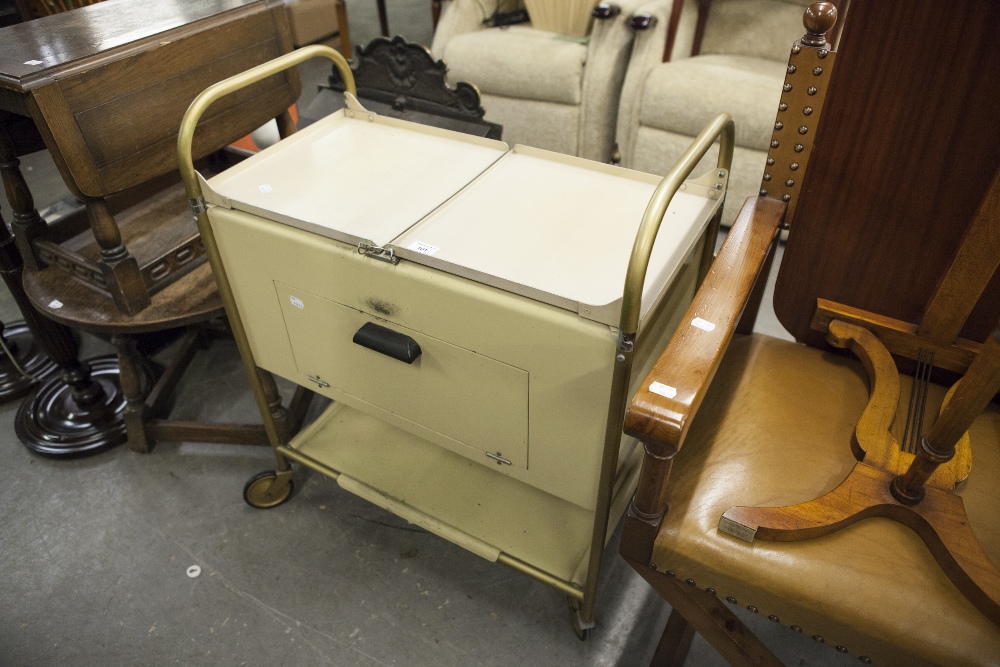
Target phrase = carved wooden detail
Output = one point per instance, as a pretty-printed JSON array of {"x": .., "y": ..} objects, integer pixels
[{"x": 406, "y": 76}]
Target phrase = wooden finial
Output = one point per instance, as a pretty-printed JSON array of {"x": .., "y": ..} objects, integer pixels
[{"x": 819, "y": 19}]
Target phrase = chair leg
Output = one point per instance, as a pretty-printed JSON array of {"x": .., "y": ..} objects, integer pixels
[
  {"x": 135, "y": 402},
  {"x": 675, "y": 642},
  {"x": 710, "y": 618}
]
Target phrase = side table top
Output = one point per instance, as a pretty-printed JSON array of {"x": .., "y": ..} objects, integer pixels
[{"x": 32, "y": 53}]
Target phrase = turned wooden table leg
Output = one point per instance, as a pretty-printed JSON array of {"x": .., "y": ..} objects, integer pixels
[
  {"x": 131, "y": 379},
  {"x": 78, "y": 411}
]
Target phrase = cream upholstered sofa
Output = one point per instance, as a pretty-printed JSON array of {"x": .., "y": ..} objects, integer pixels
[
  {"x": 740, "y": 70},
  {"x": 547, "y": 90}
]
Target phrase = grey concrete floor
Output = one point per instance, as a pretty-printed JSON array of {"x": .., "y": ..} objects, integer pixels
[{"x": 94, "y": 551}]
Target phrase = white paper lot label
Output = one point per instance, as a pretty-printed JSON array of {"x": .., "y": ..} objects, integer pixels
[
  {"x": 704, "y": 325},
  {"x": 663, "y": 389},
  {"x": 423, "y": 248},
  {"x": 297, "y": 302}
]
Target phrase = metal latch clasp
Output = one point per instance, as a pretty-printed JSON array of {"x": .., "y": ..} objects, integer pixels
[
  {"x": 379, "y": 253},
  {"x": 498, "y": 458}
]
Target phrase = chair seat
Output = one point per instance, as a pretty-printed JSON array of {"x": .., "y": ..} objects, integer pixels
[
  {"x": 682, "y": 95},
  {"x": 875, "y": 583},
  {"x": 519, "y": 62}
]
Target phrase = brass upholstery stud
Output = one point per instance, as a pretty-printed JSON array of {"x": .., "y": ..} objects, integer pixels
[
  {"x": 775, "y": 143},
  {"x": 794, "y": 166},
  {"x": 795, "y": 628},
  {"x": 786, "y": 197},
  {"x": 818, "y": 639},
  {"x": 774, "y": 618},
  {"x": 731, "y": 600},
  {"x": 689, "y": 582},
  {"x": 822, "y": 53},
  {"x": 767, "y": 177},
  {"x": 763, "y": 192},
  {"x": 803, "y": 129},
  {"x": 778, "y": 125},
  {"x": 670, "y": 573},
  {"x": 752, "y": 609},
  {"x": 789, "y": 183},
  {"x": 770, "y": 162},
  {"x": 842, "y": 649},
  {"x": 787, "y": 87},
  {"x": 796, "y": 49},
  {"x": 782, "y": 107},
  {"x": 808, "y": 111},
  {"x": 812, "y": 90},
  {"x": 799, "y": 148},
  {"x": 710, "y": 591},
  {"x": 817, "y": 71},
  {"x": 865, "y": 659},
  {"x": 791, "y": 69}
]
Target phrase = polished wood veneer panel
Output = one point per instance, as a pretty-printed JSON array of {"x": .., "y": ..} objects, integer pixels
[{"x": 882, "y": 175}]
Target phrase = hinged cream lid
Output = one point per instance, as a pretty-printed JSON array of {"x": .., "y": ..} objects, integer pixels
[
  {"x": 554, "y": 228},
  {"x": 559, "y": 229},
  {"x": 355, "y": 176}
]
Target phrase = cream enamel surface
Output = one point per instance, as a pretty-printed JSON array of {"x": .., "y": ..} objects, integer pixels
[
  {"x": 559, "y": 230},
  {"x": 356, "y": 179}
]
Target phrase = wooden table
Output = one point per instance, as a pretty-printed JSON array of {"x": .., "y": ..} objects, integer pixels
[{"x": 76, "y": 81}]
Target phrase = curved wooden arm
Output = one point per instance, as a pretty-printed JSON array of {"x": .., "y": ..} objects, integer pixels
[{"x": 688, "y": 364}]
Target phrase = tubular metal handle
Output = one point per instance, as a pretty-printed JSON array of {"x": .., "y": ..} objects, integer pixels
[
  {"x": 193, "y": 186},
  {"x": 721, "y": 127},
  {"x": 227, "y": 86}
]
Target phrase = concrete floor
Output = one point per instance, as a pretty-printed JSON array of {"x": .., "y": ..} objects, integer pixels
[{"x": 95, "y": 551}]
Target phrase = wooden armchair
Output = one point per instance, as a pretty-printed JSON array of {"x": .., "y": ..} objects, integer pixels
[{"x": 790, "y": 479}]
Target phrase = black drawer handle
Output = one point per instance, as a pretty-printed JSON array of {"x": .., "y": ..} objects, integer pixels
[{"x": 388, "y": 342}]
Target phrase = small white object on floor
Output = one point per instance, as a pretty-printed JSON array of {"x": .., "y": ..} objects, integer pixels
[{"x": 194, "y": 571}]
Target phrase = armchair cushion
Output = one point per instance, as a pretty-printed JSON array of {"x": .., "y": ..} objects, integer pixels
[
  {"x": 759, "y": 28},
  {"x": 750, "y": 445},
  {"x": 681, "y": 96},
  {"x": 519, "y": 62}
]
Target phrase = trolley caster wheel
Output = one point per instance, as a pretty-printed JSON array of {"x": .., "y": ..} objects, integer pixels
[
  {"x": 581, "y": 629},
  {"x": 261, "y": 491}
]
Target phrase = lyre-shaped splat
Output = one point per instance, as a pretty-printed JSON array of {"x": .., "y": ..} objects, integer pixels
[{"x": 939, "y": 518}]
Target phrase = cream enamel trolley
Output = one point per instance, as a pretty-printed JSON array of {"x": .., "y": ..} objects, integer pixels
[{"x": 461, "y": 302}]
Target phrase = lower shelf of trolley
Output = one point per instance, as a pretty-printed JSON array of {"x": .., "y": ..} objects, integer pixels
[{"x": 487, "y": 513}]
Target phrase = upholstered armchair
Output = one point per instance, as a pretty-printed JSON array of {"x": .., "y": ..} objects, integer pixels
[
  {"x": 724, "y": 55},
  {"x": 551, "y": 91}
]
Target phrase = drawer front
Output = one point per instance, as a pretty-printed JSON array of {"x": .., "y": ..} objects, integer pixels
[{"x": 479, "y": 402}]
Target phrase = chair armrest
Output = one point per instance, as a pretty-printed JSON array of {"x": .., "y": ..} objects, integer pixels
[
  {"x": 461, "y": 16},
  {"x": 681, "y": 376}
]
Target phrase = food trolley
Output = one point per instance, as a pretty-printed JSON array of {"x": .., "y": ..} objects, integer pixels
[{"x": 462, "y": 303}]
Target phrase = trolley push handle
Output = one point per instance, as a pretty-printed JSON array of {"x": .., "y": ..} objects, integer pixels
[
  {"x": 721, "y": 127},
  {"x": 237, "y": 82}
]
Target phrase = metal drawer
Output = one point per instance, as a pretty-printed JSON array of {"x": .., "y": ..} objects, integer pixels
[{"x": 470, "y": 403}]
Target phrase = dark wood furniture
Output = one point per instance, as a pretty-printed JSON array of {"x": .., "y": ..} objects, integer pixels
[
  {"x": 860, "y": 540},
  {"x": 106, "y": 86},
  {"x": 400, "y": 79}
]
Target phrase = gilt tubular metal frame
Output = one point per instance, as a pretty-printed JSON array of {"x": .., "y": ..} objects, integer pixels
[{"x": 721, "y": 128}]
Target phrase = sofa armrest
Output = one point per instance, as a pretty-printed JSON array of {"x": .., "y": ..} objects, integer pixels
[
  {"x": 607, "y": 60},
  {"x": 647, "y": 53},
  {"x": 461, "y": 16}
]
